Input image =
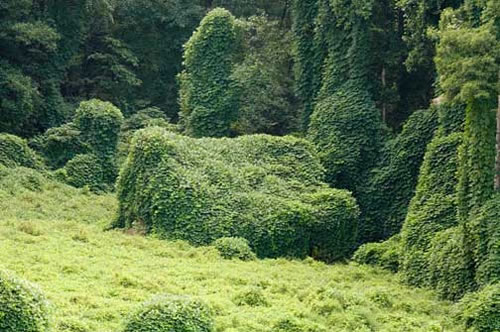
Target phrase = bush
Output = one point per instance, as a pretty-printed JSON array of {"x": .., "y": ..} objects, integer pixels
[
  {"x": 432, "y": 209},
  {"x": 391, "y": 185},
  {"x": 99, "y": 123},
  {"x": 448, "y": 270},
  {"x": 85, "y": 170},
  {"x": 480, "y": 311},
  {"x": 265, "y": 189},
  {"x": 252, "y": 296},
  {"x": 207, "y": 95},
  {"x": 234, "y": 247},
  {"x": 14, "y": 152},
  {"x": 22, "y": 306},
  {"x": 384, "y": 254},
  {"x": 166, "y": 313},
  {"x": 60, "y": 144}
]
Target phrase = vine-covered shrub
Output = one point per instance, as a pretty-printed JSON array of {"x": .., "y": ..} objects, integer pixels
[
  {"x": 14, "y": 152},
  {"x": 346, "y": 129},
  {"x": 23, "y": 308},
  {"x": 166, "y": 313},
  {"x": 234, "y": 247},
  {"x": 448, "y": 272},
  {"x": 85, "y": 170},
  {"x": 485, "y": 232},
  {"x": 432, "y": 209},
  {"x": 207, "y": 97},
  {"x": 384, "y": 254},
  {"x": 60, "y": 144},
  {"x": 265, "y": 189},
  {"x": 480, "y": 311},
  {"x": 392, "y": 183},
  {"x": 99, "y": 123}
]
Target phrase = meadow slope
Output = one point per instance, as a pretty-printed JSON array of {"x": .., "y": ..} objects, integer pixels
[{"x": 54, "y": 235}]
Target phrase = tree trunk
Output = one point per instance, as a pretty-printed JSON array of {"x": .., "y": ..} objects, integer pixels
[
  {"x": 497, "y": 163},
  {"x": 384, "y": 105}
]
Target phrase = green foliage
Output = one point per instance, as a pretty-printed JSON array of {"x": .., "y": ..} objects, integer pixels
[
  {"x": 14, "y": 151},
  {"x": 99, "y": 124},
  {"x": 23, "y": 308},
  {"x": 253, "y": 297},
  {"x": 346, "y": 130},
  {"x": 208, "y": 99},
  {"x": 308, "y": 60},
  {"x": 391, "y": 185},
  {"x": 384, "y": 254},
  {"x": 447, "y": 261},
  {"x": 480, "y": 311},
  {"x": 18, "y": 97},
  {"x": 165, "y": 313},
  {"x": 432, "y": 209},
  {"x": 477, "y": 158},
  {"x": 265, "y": 189},
  {"x": 451, "y": 118},
  {"x": 234, "y": 247},
  {"x": 60, "y": 144},
  {"x": 264, "y": 79},
  {"x": 485, "y": 232},
  {"x": 85, "y": 170}
]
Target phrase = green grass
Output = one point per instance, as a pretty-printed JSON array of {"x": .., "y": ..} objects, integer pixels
[{"x": 54, "y": 236}]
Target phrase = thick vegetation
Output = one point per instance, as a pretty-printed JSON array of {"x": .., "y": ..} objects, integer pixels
[
  {"x": 266, "y": 189},
  {"x": 23, "y": 308}
]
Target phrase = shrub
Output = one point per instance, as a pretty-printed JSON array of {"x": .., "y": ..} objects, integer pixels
[
  {"x": 391, "y": 185},
  {"x": 60, "y": 144},
  {"x": 166, "y": 313},
  {"x": 252, "y": 296},
  {"x": 265, "y": 189},
  {"x": 207, "y": 96},
  {"x": 234, "y": 247},
  {"x": 99, "y": 124},
  {"x": 14, "y": 152},
  {"x": 23, "y": 308},
  {"x": 384, "y": 254},
  {"x": 432, "y": 209},
  {"x": 480, "y": 311},
  {"x": 448, "y": 270},
  {"x": 85, "y": 170}
]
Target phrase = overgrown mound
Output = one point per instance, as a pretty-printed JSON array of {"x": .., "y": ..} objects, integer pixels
[
  {"x": 171, "y": 313},
  {"x": 234, "y": 247},
  {"x": 14, "y": 152},
  {"x": 384, "y": 254},
  {"x": 480, "y": 311},
  {"x": 266, "y": 189},
  {"x": 22, "y": 306}
]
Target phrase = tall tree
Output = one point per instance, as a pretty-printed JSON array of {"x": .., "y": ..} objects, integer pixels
[{"x": 207, "y": 97}]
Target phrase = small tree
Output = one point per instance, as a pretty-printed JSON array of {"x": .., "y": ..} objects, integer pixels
[{"x": 207, "y": 96}]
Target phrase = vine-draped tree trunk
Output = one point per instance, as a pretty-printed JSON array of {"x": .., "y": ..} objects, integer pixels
[{"x": 497, "y": 167}]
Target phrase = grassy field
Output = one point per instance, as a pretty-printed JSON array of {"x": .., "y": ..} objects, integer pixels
[{"x": 54, "y": 235}]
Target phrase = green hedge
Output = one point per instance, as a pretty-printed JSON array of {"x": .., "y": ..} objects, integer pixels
[
  {"x": 266, "y": 189},
  {"x": 391, "y": 185},
  {"x": 432, "y": 209},
  {"x": 383, "y": 254},
  {"x": 14, "y": 152},
  {"x": 480, "y": 311},
  {"x": 168, "y": 313},
  {"x": 23, "y": 308}
]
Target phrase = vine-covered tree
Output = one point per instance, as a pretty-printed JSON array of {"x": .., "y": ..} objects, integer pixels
[{"x": 208, "y": 97}]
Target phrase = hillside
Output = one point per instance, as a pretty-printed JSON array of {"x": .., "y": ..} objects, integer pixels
[{"x": 95, "y": 278}]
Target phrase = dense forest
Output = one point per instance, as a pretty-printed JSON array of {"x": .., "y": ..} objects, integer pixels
[{"x": 325, "y": 132}]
